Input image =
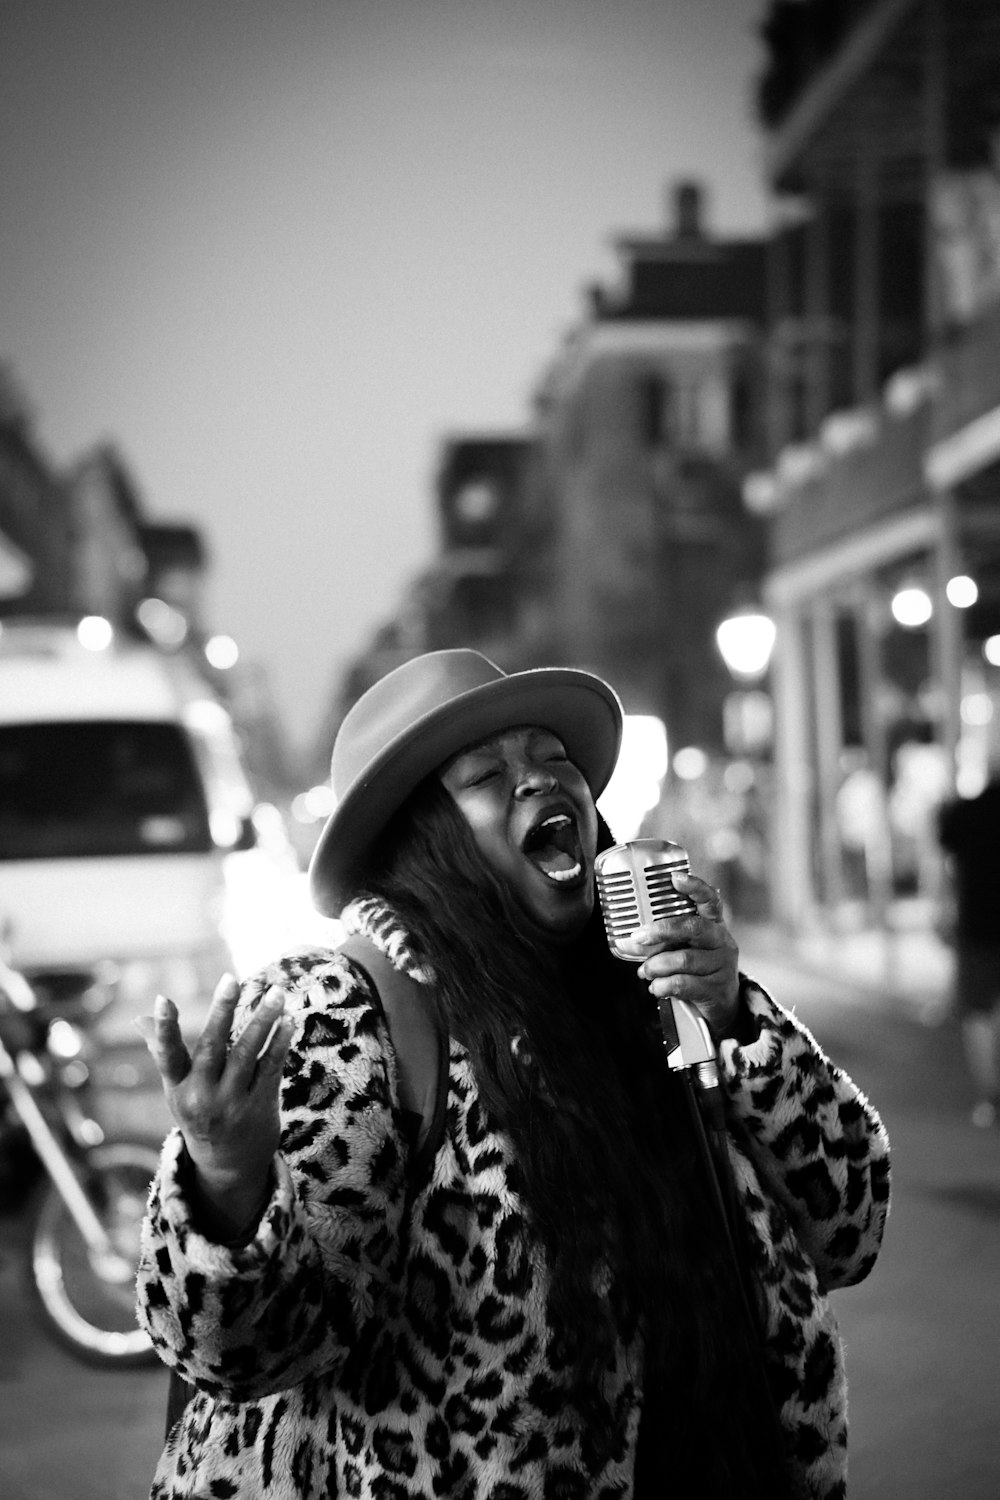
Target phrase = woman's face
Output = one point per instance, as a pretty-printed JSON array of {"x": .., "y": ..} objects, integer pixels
[{"x": 533, "y": 819}]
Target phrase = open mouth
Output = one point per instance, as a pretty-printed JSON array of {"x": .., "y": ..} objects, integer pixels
[{"x": 553, "y": 847}]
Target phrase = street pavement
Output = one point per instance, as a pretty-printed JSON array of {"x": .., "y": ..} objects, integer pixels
[{"x": 922, "y": 1334}]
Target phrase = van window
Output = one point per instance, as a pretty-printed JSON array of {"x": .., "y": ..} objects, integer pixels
[{"x": 85, "y": 789}]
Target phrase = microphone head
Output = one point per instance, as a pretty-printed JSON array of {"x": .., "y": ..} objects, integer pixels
[{"x": 635, "y": 886}]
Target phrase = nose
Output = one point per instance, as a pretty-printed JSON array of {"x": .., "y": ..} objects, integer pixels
[{"x": 534, "y": 781}]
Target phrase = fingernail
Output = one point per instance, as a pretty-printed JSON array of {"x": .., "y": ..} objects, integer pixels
[
  {"x": 274, "y": 999},
  {"x": 642, "y": 935},
  {"x": 161, "y": 1008}
]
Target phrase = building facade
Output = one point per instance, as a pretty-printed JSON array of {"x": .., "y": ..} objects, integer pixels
[
  {"x": 883, "y": 426},
  {"x": 647, "y": 421}
]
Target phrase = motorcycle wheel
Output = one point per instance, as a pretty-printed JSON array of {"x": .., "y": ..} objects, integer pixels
[{"x": 90, "y": 1309}]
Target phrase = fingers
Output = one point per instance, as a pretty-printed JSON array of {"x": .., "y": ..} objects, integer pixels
[
  {"x": 211, "y": 1048},
  {"x": 162, "y": 1036},
  {"x": 263, "y": 1042},
  {"x": 692, "y": 955},
  {"x": 260, "y": 1049},
  {"x": 703, "y": 928},
  {"x": 707, "y": 899},
  {"x": 271, "y": 1059}
]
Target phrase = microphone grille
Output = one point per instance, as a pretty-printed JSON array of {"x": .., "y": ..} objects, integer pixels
[{"x": 635, "y": 886}]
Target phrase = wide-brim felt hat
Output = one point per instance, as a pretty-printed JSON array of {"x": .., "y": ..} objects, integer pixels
[{"x": 424, "y": 712}]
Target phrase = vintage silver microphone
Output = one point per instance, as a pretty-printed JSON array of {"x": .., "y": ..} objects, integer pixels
[{"x": 635, "y": 886}]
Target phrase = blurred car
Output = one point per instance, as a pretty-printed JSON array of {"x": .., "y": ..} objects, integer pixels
[{"x": 130, "y": 841}]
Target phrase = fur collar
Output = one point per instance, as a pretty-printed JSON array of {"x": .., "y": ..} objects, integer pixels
[{"x": 380, "y": 923}]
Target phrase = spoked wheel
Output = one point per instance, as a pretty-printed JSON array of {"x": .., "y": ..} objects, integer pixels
[{"x": 86, "y": 1297}]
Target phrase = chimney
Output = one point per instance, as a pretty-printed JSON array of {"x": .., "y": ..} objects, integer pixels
[{"x": 688, "y": 198}]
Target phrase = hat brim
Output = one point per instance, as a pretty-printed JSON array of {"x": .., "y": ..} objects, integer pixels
[{"x": 581, "y": 709}]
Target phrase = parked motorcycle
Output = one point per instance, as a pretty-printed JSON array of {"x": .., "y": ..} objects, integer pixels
[{"x": 90, "y": 1197}]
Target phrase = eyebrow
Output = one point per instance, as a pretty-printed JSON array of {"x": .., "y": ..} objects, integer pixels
[{"x": 491, "y": 746}]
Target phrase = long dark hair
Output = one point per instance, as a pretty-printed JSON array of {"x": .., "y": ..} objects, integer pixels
[{"x": 568, "y": 1063}]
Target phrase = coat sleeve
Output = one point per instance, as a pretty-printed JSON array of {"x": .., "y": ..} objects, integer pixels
[
  {"x": 817, "y": 1144},
  {"x": 298, "y": 1297}
]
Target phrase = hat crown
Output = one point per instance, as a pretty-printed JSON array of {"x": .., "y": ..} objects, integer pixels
[
  {"x": 398, "y": 701},
  {"x": 415, "y": 719}
]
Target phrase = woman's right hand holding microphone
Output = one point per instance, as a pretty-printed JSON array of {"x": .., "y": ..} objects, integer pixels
[{"x": 224, "y": 1097}]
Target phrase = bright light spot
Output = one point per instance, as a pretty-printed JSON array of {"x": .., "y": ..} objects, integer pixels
[
  {"x": 222, "y": 652},
  {"x": 738, "y": 777},
  {"x": 313, "y": 806},
  {"x": 962, "y": 591},
  {"x": 64, "y": 1039},
  {"x": 991, "y": 650},
  {"x": 977, "y": 709},
  {"x": 724, "y": 844},
  {"x": 162, "y": 622},
  {"x": 94, "y": 633},
  {"x": 690, "y": 763},
  {"x": 206, "y": 715},
  {"x": 225, "y": 826},
  {"x": 746, "y": 642},
  {"x": 748, "y": 721},
  {"x": 635, "y": 786},
  {"x": 969, "y": 781},
  {"x": 912, "y": 607}
]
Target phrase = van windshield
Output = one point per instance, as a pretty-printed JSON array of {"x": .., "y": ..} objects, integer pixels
[{"x": 79, "y": 790}]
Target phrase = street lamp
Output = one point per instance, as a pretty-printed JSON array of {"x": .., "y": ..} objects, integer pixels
[{"x": 746, "y": 641}]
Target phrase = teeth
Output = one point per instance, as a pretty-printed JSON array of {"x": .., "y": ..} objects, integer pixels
[
  {"x": 556, "y": 821},
  {"x": 561, "y": 875}
]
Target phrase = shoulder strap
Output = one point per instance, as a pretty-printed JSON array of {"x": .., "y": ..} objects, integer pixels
[{"x": 419, "y": 1043}]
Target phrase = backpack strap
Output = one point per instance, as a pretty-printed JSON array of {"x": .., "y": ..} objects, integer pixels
[{"x": 420, "y": 1044}]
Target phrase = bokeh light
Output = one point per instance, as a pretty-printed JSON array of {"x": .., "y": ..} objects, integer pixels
[
  {"x": 746, "y": 642},
  {"x": 912, "y": 607},
  {"x": 95, "y": 633},
  {"x": 961, "y": 591},
  {"x": 221, "y": 652},
  {"x": 690, "y": 763}
]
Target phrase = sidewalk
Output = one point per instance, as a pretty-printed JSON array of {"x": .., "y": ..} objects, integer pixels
[
  {"x": 922, "y": 1332},
  {"x": 906, "y": 968}
]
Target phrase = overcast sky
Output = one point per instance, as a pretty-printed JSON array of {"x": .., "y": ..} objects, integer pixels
[{"x": 275, "y": 252}]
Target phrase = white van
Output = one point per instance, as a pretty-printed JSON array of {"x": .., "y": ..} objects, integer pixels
[{"x": 127, "y": 835}]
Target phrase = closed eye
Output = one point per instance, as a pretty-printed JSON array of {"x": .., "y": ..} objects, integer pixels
[{"x": 478, "y": 777}]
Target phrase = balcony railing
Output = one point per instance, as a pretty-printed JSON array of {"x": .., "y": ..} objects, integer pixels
[{"x": 866, "y": 467}]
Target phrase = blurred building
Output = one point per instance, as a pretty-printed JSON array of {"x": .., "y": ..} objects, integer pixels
[
  {"x": 487, "y": 572},
  {"x": 73, "y": 543},
  {"x": 647, "y": 421},
  {"x": 80, "y": 543},
  {"x": 883, "y": 433},
  {"x": 110, "y": 565},
  {"x": 36, "y": 554},
  {"x": 613, "y": 534},
  {"x": 489, "y": 584}
]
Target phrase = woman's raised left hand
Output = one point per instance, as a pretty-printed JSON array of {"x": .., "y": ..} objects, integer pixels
[{"x": 693, "y": 957}]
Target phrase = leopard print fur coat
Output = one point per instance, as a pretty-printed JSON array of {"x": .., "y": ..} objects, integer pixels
[{"x": 383, "y": 1338}]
